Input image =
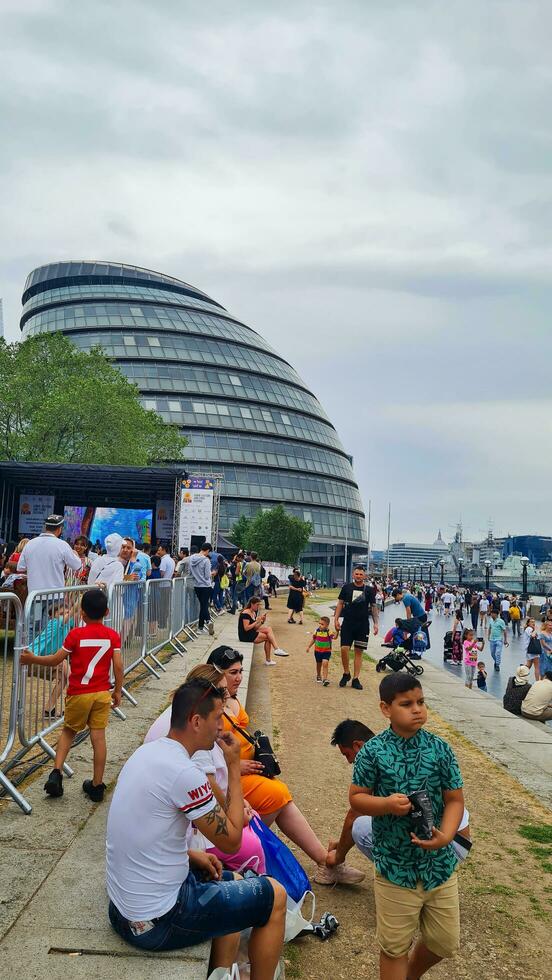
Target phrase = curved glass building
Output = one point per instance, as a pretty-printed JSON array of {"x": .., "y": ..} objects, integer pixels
[{"x": 243, "y": 408}]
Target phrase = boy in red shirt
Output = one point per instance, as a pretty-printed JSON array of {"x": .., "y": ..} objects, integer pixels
[{"x": 91, "y": 650}]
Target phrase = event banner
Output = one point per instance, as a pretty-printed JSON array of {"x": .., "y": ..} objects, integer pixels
[
  {"x": 164, "y": 520},
  {"x": 33, "y": 511},
  {"x": 196, "y": 510}
]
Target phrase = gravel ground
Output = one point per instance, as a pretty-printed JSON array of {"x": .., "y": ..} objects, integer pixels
[{"x": 506, "y": 883}]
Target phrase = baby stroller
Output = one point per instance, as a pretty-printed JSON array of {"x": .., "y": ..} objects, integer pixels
[
  {"x": 447, "y": 646},
  {"x": 398, "y": 659}
]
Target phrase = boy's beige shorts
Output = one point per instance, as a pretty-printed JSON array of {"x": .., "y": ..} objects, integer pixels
[{"x": 401, "y": 911}]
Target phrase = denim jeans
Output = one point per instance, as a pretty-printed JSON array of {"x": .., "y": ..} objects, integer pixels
[
  {"x": 496, "y": 651},
  {"x": 203, "y": 911}
]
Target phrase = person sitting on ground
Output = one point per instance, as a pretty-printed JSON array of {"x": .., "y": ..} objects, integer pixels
[
  {"x": 91, "y": 650},
  {"x": 164, "y": 895},
  {"x": 537, "y": 704},
  {"x": 271, "y": 798},
  {"x": 350, "y": 736},
  {"x": 252, "y": 629},
  {"x": 250, "y": 853},
  {"x": 416, "y": 885},
  {"x": 517, "y": 689}
]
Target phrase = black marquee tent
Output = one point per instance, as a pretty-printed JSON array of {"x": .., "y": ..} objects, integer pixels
[{"x": 83, "y": 484}]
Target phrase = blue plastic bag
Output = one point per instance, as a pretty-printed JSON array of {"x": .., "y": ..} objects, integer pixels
[{"x": 281, "y": 863}]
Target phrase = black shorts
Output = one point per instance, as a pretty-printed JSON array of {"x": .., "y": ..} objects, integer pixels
[
  {"x": 319, "y": 657},
  {"x": 354, "y": 634}
]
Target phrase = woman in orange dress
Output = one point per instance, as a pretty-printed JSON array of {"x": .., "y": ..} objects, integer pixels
[{"x": 271, "y": 798}]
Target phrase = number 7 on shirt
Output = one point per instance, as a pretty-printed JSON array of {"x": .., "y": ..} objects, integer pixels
[{"x": 102, "y": 646}]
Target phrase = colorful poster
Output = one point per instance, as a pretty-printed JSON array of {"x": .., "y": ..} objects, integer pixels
[
  {"x": 164, "y": 520},
  {"x": 196, "y": 510},
  {"x": 33, "y": 511}
]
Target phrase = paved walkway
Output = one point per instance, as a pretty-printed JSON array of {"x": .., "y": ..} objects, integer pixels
[
  {"x": 522, "y": 747},
  {"x": 53, "y": 910}
]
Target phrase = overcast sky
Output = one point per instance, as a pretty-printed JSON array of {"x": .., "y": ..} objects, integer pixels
[{"x": 366, "y": 184}]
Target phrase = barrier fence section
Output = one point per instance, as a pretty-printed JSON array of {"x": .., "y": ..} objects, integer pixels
[
  {"x": 11, "y": 620},
  {"x": 147, "y": 615}
]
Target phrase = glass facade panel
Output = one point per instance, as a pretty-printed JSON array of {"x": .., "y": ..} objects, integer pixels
[{"x": 243, "y": 408}]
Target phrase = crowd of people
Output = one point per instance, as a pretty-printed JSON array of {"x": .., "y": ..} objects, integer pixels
[{"x": 190, "y": 865}]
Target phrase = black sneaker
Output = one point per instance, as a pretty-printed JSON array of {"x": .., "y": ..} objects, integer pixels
[
  {"x": 54, "y": 783},
  {"x": 345, "y": 680},
  {"x": 357, "y": 685},
  {"x": 95, "y": 793},
  {"x": 326, "y": 683}
]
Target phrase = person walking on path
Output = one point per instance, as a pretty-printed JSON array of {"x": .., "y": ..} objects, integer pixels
[
  {"x": 356, "y": 603},
  {"x": 46, "y": 558},
  {"x": 498, "y": 636},
  {"x": 514, "y": 613},
  {"x": 545, "y": 638},
  {"x": 296, "y": 598},
  {"x": 200, "y": 570},
  {"x": 475, "y": 610}
]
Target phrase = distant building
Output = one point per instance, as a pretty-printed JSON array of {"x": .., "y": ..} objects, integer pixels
[
  {"x": 535, "y": 547},
  {"x": 406, "y": 554}
]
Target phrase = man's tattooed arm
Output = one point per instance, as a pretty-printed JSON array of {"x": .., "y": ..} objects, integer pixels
[{"x": 217, "y": 816}]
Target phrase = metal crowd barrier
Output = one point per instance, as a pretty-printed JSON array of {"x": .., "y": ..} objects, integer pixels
[{"x": 147, "y": 615}]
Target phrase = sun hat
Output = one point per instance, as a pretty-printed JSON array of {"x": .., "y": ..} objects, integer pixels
[{"x": 521, "y": 675}]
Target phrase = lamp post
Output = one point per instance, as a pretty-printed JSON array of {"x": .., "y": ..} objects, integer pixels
[
  {"x": 524, "y": 562},
  {"x": 460, "y": 570},
  {"x": 442, "y": 564},
  {"x": 487, "y": 573},
  {"x": 400, "y": 577}
]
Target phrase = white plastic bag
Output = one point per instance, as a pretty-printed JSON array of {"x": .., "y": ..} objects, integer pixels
[
  {"x": 295, "y": 920},
  {"x": 223, "y": 973}
]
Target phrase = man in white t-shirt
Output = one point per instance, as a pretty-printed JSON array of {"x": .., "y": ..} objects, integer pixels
[
  {"x": 483, "y": 611},
  {"x": 505, "y": 610},
  {"x": 46, "y": 557},
  {"x": 167, "y": 562},
  {"x": 448, "y": 600},
  {"x": 162, "y": 894}
]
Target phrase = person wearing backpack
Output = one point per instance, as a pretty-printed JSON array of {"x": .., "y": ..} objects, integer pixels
[
  {"x": 515, "y": 618},
  {"x": 252, "y": 573}
]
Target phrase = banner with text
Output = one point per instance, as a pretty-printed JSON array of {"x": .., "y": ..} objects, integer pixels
[
  {"x": 33, "y": 510},
  {"x": 164, "y": 520},
  {"x": 196, "y": 510}
]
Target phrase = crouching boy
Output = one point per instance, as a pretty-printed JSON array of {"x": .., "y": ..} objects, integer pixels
[{"x": 415, "y": 884}]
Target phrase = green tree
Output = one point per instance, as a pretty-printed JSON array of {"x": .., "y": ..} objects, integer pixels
[
  {"x": 277, "y": 536},
  {"x": 240, "y": 530},
  {"x": 59, "y": 404}
]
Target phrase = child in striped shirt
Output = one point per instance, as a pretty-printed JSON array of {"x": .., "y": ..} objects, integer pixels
[{"x": 322, "y": 642}]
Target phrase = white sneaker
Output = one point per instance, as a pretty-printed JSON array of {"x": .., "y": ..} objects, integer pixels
[
  {"x": 280, "y": 653},
  {"x": 270, "y": 663}
]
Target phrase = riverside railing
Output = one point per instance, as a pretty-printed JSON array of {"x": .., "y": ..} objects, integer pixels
[{"x": 148, "y": 617}]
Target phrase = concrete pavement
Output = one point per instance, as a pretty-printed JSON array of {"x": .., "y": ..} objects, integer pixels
[{"x": 53, "y": 904}]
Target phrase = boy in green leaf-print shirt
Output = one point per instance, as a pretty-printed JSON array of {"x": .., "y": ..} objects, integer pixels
[{"x": 415, "y": 884}]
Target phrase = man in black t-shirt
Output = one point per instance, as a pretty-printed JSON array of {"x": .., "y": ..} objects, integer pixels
[{"x": 356, "y": 603}]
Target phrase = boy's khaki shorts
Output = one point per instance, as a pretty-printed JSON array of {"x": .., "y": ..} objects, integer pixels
[
  {"x": 400, "y": 911},
  {"x": 87, "y": 710}
]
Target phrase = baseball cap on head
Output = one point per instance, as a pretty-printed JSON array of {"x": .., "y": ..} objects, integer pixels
[{"x": 54, "y": 520}]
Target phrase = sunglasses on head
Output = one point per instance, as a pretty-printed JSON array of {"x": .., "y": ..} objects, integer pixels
[
  {"x": 231, "y": 655},
  {"x": 210, "y": 690}
]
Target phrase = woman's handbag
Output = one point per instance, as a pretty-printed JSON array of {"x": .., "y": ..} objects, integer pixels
[
  {"x": 264, "y": 753},
  {"x": 281, "y": 863}
]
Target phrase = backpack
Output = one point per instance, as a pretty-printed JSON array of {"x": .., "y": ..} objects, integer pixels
[
  {"x": 419, "y": 642},
  {"x": 256, "y": 579}
]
